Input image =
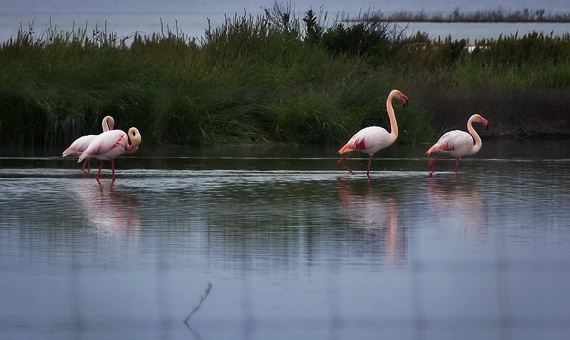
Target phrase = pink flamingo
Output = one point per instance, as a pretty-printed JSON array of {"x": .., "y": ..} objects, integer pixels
[
  {"x": 457, "y": 143},
  {"x": 80, "y": 144},
  {"x": 111, "y": 144},
  {"x": 374, "y": 138}
]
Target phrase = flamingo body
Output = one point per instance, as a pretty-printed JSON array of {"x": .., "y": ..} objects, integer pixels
[
  {"x": 80, "y": 144},
  {"x": 457, "y": 144},
  {"x": 107, "y": 145},
  {"x": 111, "y": 144},
  {"x": 368, "y": 140},
  {"x": 374, "y": 138}
]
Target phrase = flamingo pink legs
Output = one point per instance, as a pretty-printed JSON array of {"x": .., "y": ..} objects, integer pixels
[
  {"x": 88, "y": 166},
  {"x": 112, "y": 168},
  {"x": 432, "y": 166},
  {"x": 340, "y": 162}
]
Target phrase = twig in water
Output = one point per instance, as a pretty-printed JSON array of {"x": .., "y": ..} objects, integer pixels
[{"x": 202, "y": 298}]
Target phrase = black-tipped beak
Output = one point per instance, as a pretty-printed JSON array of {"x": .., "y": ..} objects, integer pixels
[{"x": 487, "y": 127}]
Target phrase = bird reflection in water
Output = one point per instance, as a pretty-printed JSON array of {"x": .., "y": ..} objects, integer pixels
[
  {"x": 107, "y": 209},
  {"x": 460, "y": 207},
  {"x": 376, "y": 214}
]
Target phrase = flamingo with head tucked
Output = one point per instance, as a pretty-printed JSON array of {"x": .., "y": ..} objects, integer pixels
[
  {"x": 374, "y": 138},
  {"x": 111, "y": 144},
  {"x": 80, "y": 144},
  {"x": 457, "y": 143}
]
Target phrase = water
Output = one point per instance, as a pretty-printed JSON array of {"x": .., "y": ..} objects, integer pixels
[
  {"x": 292, "y": 246},
  {"x": 191, "y": 17}
]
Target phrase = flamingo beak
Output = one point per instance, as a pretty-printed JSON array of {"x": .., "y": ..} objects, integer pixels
[{"x": 404, "y": 100}]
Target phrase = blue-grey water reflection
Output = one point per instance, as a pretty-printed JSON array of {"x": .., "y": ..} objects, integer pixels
[{"x": 292, "y": 245}]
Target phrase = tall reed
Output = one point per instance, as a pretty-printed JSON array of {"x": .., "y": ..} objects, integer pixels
[{"x": 274, "y": 78}]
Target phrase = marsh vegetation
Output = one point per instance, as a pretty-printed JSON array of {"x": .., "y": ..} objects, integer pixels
[{"x": 278, "y": 78}]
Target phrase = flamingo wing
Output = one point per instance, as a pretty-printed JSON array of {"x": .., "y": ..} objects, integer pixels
[
  {"x": 78, "y": 146},
  {"x": 107, "y": 145},
  {"x": 455, "y": 143},
  {"x": 368, "y": 140}
]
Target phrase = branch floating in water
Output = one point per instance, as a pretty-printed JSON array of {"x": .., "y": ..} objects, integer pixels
[{"x": 202, "y": 298}]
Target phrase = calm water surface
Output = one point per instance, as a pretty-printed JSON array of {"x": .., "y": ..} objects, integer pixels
[{"x": 292, "y": 246}]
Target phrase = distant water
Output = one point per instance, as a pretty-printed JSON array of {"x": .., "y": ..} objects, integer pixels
[{"x": 193, "y": 16}]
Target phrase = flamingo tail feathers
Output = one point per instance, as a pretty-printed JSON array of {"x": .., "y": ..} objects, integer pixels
[
  {"x": 352, "y": 145},
  {"x": 439, "y": 147}
]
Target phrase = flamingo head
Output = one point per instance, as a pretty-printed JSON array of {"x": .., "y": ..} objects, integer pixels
[
  {"x": 480, "y": 119},
  {"x": 135, "y": 140},
  {"x": 402, "y": 97}
]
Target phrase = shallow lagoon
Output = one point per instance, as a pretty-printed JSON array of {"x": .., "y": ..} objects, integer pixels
[{"x": 293, "y": 246}]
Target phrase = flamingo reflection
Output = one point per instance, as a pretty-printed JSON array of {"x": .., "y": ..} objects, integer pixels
[
  {"x": 375, "y": 214},
  {"x": 459, "y": 206},
  {"x": 108, "y": 210}
]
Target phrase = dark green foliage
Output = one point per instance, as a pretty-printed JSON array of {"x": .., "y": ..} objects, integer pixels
[
  {"x": 314, "y": 29},
  {"x": 24, "y": 121},
  {"x": 309, "y": 120},
  {"x": 533, "y": 48},
  {"x": 265, "y": 79},
  {"x": 433, "y": 54},
  {"x": 358, "y": 39}
]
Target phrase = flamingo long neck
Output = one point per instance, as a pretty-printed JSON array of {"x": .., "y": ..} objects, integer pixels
[
  {"x": 133, "y": 140},
  {"x": 392, "y": 116},
  {"x": 131, "y": 145},
  {"x": 108, "y": 123},
  {"x": 478, "y": 143}
]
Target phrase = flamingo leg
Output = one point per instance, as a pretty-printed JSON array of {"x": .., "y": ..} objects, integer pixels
[
  {"x": 340, "y": 162},
  {"x": 369, "y": 164},
  {"x": 457, "y": 168},
  {"x": 99, "y": 173},
  {"x": 432, "y": 165},
  {"x": 88, "y": 166},
  {"x": 113, "y": 168}
]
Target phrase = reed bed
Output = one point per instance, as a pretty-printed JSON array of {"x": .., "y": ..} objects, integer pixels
[
  {"x": 275, "y": 78},
  {"x": 486, "y": 16}
]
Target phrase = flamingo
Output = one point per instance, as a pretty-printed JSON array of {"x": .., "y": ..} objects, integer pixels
[
  {"x": 111, "y": 144},
  {"x": 80, "y": 144},
  {"x": 374, "y": 138},
  {"x": 457, "y": 143}
]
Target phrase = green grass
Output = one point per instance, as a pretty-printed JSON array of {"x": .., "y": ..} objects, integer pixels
[{"x": 274, "y": 78}]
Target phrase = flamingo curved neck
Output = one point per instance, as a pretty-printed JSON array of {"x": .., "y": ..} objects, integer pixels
[
  {"x": 134, "y": 140},
  {"x": 392, "y": 116},
  {"x": 478, "y": 143},
  {"x": 108, "y": 123}
]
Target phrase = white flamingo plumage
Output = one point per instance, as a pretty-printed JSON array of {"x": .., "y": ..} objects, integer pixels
[
  {"x": 111, "y": 144},
  {"x": 374, "y": 138},
  {"x": 457, "y": 143},
  {"x": 80, "y": 144}
]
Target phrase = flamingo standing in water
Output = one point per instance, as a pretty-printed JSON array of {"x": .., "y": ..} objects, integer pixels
[
  {"x": 457, "y": 143},
  {"x": 80, "y": 144},
  {"x": 111, "y": 144},
  {"x": 374, "y": 138}
]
